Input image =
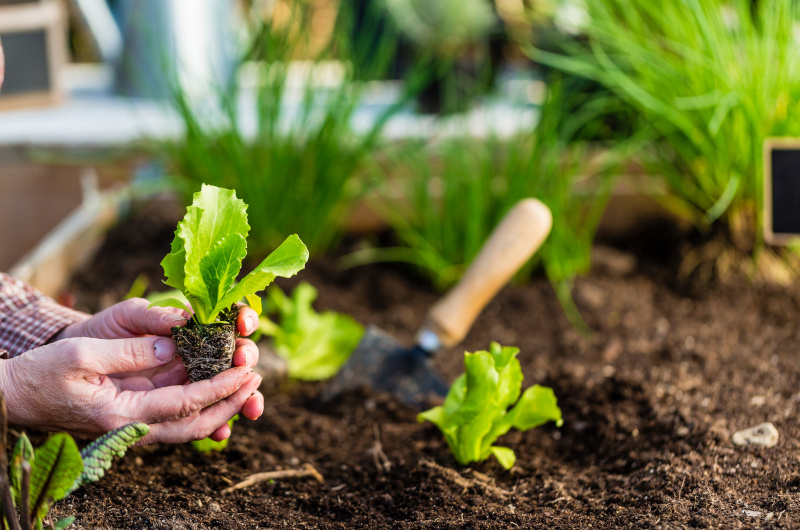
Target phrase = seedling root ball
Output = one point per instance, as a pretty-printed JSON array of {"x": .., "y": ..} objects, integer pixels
[{"x": 207, "y": 349}]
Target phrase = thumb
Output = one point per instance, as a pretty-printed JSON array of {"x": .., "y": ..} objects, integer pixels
[
  {"x": 137, "y": 317},
  {"x": 126, "y": 355}
]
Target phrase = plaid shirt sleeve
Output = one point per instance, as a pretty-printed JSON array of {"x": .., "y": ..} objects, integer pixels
[{"x": 29, "y": 319}]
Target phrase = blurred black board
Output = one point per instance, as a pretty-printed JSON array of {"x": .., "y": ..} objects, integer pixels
[
  {"x": 33, "y": 35},
  {"x": 27, "y": 68},
  {"x": 781, "y": 190}
]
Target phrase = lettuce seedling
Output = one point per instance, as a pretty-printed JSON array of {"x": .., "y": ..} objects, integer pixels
[
  {"x": 206, "y": 257},
  {"x": 476, "y": 410},
  {"x": 315, "y": 345}
]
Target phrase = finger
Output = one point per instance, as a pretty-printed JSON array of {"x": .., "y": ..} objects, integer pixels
[
  {"x": 119, "y": 355},
  {"x": 134, "y": 317},
  {"x": 223, "y": 433},
  {"x": 246, "y": 353},
  {"x": 204, "y": 423},
  {"x": 173, "y": 374},
  {"x": 253, "y": 408},
  {"x": 174, "y": 402},
  {"x": 247, "y": 321}
]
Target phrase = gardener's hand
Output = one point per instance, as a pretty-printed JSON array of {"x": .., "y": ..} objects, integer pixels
[
  {"x": 132, "y": 318},
  {"x": 65, "y": 386}
]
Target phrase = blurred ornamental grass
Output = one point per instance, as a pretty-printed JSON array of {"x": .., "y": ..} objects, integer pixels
[
  {"x": 443, "y": 200},
  {"x": 710, "y": 80},
  {"x": 297, "y": 168}
]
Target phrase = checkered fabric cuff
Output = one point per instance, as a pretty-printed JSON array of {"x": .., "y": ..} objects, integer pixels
[{"x": 28, "y": 319}]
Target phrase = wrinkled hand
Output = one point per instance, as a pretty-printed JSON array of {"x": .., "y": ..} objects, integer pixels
[
  {"x": 65, "y": 386},
  {"x": 122, "y": 327}
]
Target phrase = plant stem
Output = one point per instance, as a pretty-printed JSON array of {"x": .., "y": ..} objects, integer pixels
[
  {"x": 5, "y": 486},
  {"x": 25, "y": 496}
]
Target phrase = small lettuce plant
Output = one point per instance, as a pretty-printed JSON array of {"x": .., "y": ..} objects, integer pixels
[
  {"x": 315, "y": 345},
  {"x": 484, "y": 403},
  {"x": 206, "y": 257}
]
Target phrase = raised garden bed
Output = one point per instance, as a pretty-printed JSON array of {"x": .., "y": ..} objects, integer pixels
[{"x": 650, "y": 403}]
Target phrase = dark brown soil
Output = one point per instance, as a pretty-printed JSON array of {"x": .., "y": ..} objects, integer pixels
[{"x": 650, "y": 403}]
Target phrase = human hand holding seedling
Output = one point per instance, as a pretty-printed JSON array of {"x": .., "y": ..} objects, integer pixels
[
  {"x": 69, "y": 385},
  {"x": 132, "y": 318}
]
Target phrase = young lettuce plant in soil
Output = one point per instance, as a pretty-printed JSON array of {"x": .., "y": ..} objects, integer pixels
[
  {"x": 315, "y": 345},
  {"x": 476, "y": 410},
  {"x": 207, "y": 252}
]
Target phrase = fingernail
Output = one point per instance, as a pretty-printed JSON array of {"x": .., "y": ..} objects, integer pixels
[
  {"x": 249, "y": 324},
  {"x": 164, "y": 350}
]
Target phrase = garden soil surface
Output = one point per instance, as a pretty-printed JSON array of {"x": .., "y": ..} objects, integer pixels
[{"x": 650, "y": 403}]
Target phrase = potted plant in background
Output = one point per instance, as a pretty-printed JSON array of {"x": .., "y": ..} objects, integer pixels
[{"x": 459, "y": 44}]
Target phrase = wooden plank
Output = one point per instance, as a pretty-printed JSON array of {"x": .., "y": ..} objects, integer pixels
[
  {"x": 25, "y": 17},
  {"x": 33, "y": 200},
  {"x": 67, "y": 248}
]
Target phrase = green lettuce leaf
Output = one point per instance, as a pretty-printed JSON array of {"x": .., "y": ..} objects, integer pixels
[
  {"x": 315, "y": 345},
  {"x": 214, "y": 215},
  {"x": 170, "y": 302},
  {"x": 174, "y": 263},
  {"x": 207, "y": 253},
  {"x": 505, "y": 456},
  {"x": 221, "y": 265},
  {"x": 285, "y": 261},
  {"x": 476, "y": 410}
]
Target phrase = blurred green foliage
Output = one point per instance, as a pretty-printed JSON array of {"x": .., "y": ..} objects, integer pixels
[
  {"x": 444, "y": 200},
  {"x": 298, "y": 169},
  {"x": 710, "y": 81}
]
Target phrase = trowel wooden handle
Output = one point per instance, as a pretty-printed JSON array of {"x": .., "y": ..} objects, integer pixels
[{"x": 521, "y": 232}]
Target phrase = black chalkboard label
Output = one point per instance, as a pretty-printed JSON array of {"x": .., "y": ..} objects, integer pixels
[
  {"x": 27, "y": 68},
  {"x": 781, "y": 189}
]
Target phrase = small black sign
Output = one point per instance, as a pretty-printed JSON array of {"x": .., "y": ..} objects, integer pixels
[
  {"x": 781, "y": 190},
  {"x": 27, "y": 67}
]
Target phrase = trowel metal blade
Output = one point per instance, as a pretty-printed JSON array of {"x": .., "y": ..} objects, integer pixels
[{"x": 381, "y": 363}]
